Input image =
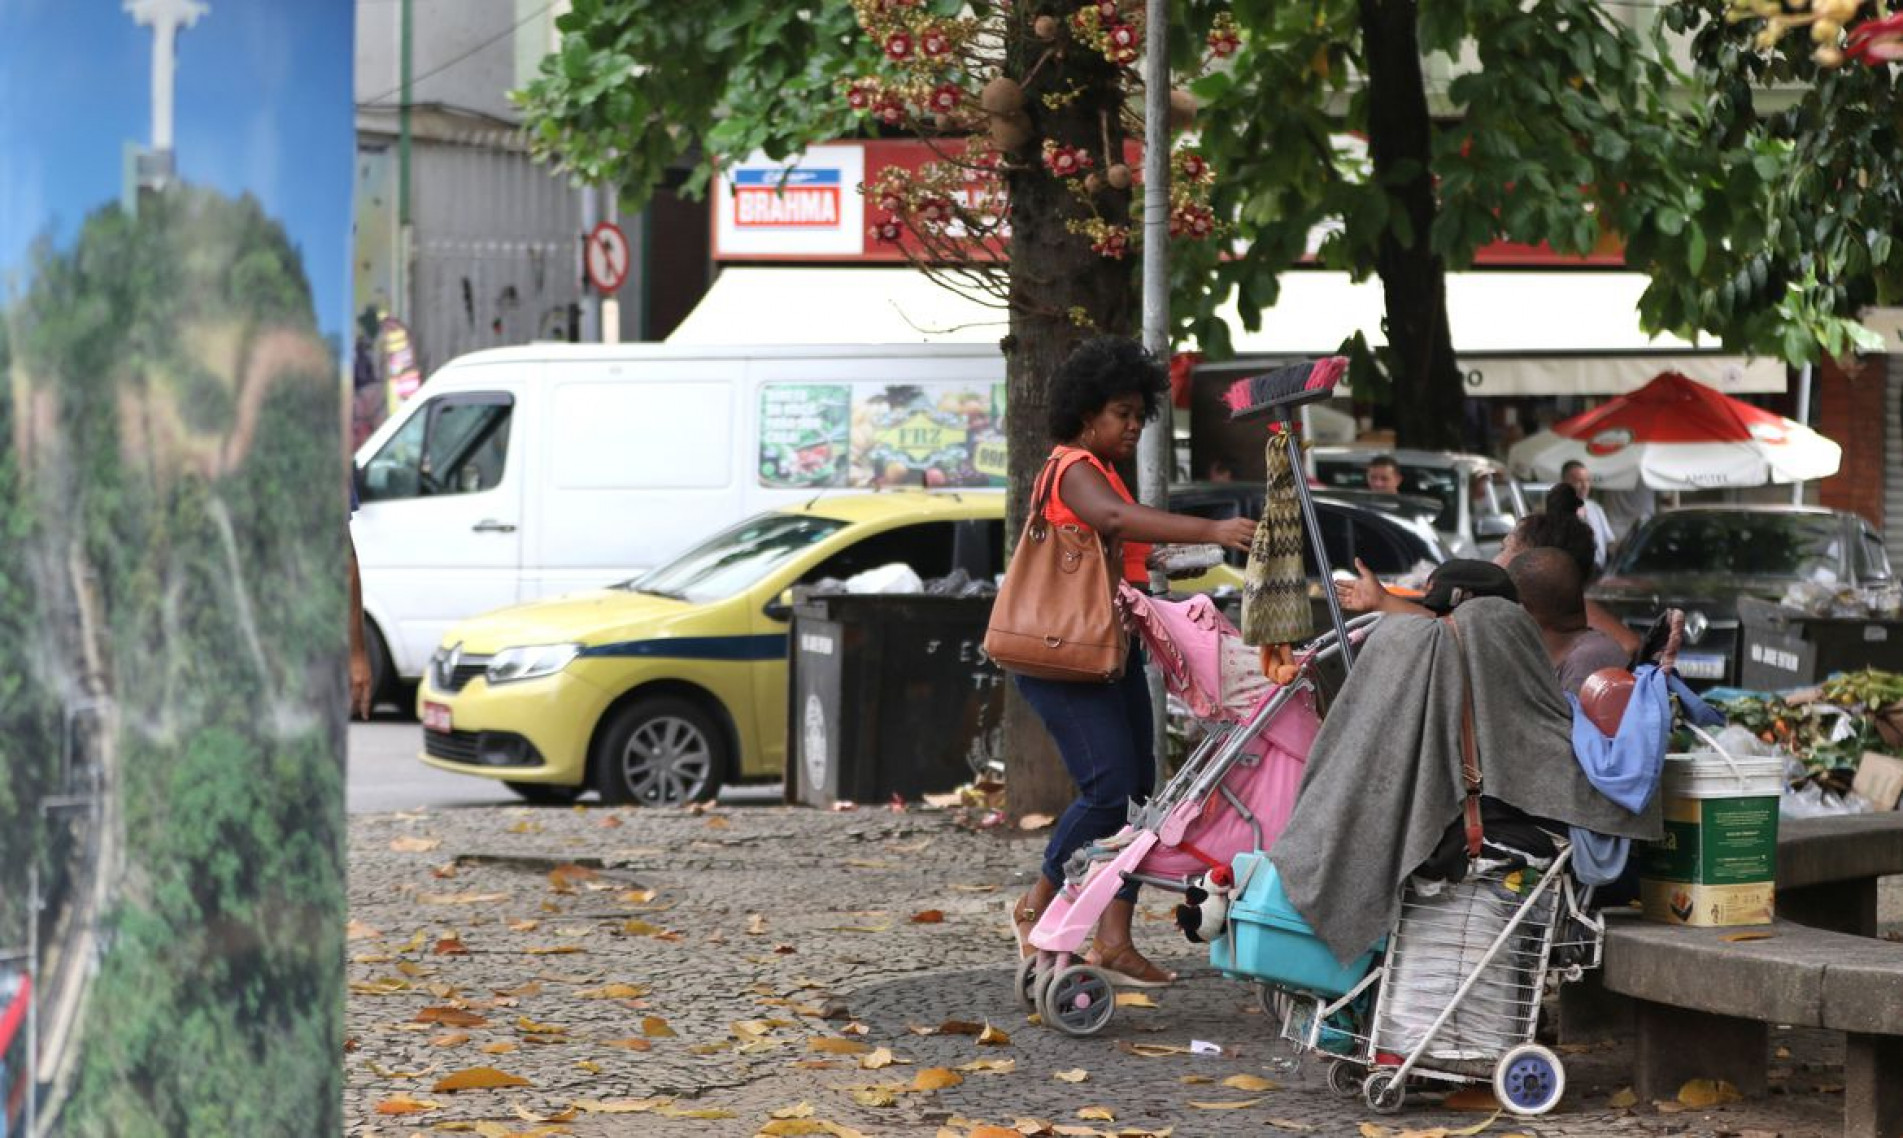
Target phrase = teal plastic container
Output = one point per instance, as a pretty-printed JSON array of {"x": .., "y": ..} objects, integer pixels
[{"x": 1273, "y": 944}]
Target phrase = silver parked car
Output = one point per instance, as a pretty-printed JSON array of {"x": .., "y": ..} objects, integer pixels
[{"x": 1480, "y": 501}]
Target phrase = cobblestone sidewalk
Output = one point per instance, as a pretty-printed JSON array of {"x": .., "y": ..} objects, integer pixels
[{"x": 661, "y": 972}]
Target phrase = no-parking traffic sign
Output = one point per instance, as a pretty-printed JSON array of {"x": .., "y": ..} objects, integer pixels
[{"x": 607, "y": 257}]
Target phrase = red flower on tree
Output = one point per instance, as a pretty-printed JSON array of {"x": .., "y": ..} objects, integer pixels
[
  {"x": 1193, "y": 166},
  {"x": 1876, "y": 42},
  {"x": 862, "y": 92},
  {"x": 898, "y": 47},
  {"x": 1066, "y": 161},
  {"x": 1224, "y": 40},
  {"x": 889, "y": 110},
  {"x": 1107, "y": 10},
  {"x": 1123, "y": 43},
  {"x": 888, "y": 231},
  {"x": 935, "y": 43},
  {"x": 946, "y": 97}
]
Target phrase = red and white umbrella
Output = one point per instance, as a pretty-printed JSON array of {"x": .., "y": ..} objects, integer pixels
[{"x": 1678, "y": 434}]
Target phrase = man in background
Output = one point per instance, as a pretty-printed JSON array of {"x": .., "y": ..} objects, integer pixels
[
  {"x": 1384, "y": 474},
  {"x": 1554, "y": 595},
  {"x": 1576, "y": 475}
]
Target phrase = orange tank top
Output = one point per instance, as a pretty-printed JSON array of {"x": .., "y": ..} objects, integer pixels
[{"x": 1058, "y": 514}]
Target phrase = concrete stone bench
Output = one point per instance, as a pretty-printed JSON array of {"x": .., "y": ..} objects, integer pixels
[{"x": 1703, "y": 999}]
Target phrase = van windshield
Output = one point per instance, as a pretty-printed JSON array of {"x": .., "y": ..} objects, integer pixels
[{"x": 735, "y": 559}]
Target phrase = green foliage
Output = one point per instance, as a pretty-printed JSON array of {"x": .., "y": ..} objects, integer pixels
[
  {"x": 211, "y": 538},
  {"x": 641, "y": 87},
  {"x": 1559, "y": 131},
  {"x": 1785, "y": 229}
]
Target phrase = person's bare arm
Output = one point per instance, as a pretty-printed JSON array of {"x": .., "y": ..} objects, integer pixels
[
  {"x": 1366, "y": 594},
  {"x": 1089, "y": 496},
  {"x": 359, "y": 656},
  {"x": 1600, "y": 617}
]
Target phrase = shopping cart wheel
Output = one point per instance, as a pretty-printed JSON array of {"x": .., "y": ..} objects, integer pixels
[
  {"x": 1529, "y": 1079},
  {"x": 1026, "y": 982},
  {"x": 1275, "y": 1007},
  {"x": 1079, "y": 1000},
  {"x": 1344, "y": 1078},
  {"x": 1383, "y": 1093}
]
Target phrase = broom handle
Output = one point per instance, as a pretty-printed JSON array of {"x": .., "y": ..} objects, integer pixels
[{"x": 1315, "y": 537}]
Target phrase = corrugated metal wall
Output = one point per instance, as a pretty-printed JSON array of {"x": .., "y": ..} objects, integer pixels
[{"x": 495, "y": 248}]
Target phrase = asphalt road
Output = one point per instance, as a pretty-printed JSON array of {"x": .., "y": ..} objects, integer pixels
[{"x": 386, "y": 776}]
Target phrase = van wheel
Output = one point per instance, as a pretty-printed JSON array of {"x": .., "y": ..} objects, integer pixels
[
  {"x": 545, "y": 794},
  {"x": 379, "y": 655},
  {"x": 660, "y": 751}
]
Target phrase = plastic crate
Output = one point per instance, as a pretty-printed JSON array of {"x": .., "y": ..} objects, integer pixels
[{"x": 1268, "y": 940}]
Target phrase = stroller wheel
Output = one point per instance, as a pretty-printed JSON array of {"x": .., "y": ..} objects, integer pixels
[
  {"x": 1274, "y": 1005},
  {"x": 1383, "y": 1093},
  {"x": 1344, "y": 1078},
  {"x": 1026, "y": 982},
  {"x": 1529, "y": 1079},
  {"x": 1079, "y": 1000}
]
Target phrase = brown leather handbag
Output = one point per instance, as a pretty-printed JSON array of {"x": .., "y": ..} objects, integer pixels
[{"x": 1056, "y": 616}]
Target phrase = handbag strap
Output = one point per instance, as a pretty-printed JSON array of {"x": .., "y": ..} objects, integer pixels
[
  {"x": 1042, "y": 487},
  {"x": 1469, "y": 744}
]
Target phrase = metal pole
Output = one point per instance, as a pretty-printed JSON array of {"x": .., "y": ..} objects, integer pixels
[
  {"x": 1153, "y": 452},
  {"x": 1803, "y": 417},
  {"x": 1321, "y": 551}
]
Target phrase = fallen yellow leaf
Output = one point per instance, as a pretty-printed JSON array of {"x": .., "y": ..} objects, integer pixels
[
  {"x": 589, "y": 1066},
  {"x": 450, "y": 1039},
  {"x": 450, "y": 1017},
  {"x": 1250, "y": 1083},
  {"x": 414, "y": 844},
  {"x": 1701, "y": 1093},
  {"x": 1290, "y": 1125},
  {"x": 501, "y": 1047},
  {"x": 929, "y": 917},
  {"x": 833, "y": 1045},
  {"x": 1096, "y": 1113},
  {"x": 1623, "y": 1099},
  {"x": 1074, "y": 1075},
  {"x": 628, "y": 1044},
  {"x": 404, "y": 1104},
  {"x": 1738, "y": 938},
  {"x": 554, "y": 950},
  {"x": 874, "y": 1096},
  {"x": 693, "y": 1112},
  {"x": 1470, "y": 1131},
  {"x": 357, "y": 930},
  {"x": 640, "y": 928},
  {"x": 477, "y": 1078},
  {"x": 883, "y": 1057},
  {"x": 992, "y": 1037},
  {"x": 1134, "y": 1000},
  {"x": 1375, "y": 1130},
  {"x": 455, "y": 899},
  {"x": 800, "y": 1110},
  {"x": 525, "y": 1024},
  {"x": 936, "y": 1078},
  {"x": 1035, "y": 821},
  {"x": 615, "y": 992},
  {"x": 756, "y": 924},
  {"x": 990, "y": 1066},
  {"x": 1237, "y": 1105}
]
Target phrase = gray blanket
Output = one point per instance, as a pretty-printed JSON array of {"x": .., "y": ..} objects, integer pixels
[{"x": 1383, "y": 780}]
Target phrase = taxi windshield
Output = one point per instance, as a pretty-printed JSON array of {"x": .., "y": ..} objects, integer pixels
[{"x": 735, "y": 559}]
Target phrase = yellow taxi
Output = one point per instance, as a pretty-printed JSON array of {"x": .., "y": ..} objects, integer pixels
[{"x": 659, "y": 690}]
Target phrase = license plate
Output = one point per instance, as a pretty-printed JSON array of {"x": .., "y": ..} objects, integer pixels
[
  {"x": 1694, "y": 667},
  {"x": 436, "y": 717}
]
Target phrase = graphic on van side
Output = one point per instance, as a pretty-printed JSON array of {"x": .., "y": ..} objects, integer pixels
[{"x": 872, "y": 434}]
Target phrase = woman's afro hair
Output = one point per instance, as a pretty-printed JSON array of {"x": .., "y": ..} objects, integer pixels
[{"x": 1099, "y": 370}]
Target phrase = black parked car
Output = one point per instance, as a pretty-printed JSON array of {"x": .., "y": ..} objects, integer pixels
[
  {"x": 1391, "y": 533},
  {"x": 1703, "y": 558}
]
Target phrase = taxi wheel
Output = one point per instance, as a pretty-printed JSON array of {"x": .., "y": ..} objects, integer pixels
[
  {"x": 379, "y": 657},
  {"x": 660, "y": 751}
]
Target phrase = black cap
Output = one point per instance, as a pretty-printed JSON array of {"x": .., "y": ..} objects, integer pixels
[{"x": 1463, "y": 579}]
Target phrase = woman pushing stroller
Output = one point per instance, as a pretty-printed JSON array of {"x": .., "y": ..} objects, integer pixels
[{"x": 1100, "y": 398}]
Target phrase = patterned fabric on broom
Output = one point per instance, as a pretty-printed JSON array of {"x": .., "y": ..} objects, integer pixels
[{"x": 1274, "y": 587}]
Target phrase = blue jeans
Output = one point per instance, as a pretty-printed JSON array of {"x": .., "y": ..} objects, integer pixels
[{"x": 1103, "y": 733}]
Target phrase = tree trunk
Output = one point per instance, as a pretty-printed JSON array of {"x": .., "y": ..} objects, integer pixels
[
  {"x": 1053, "y": 274},
  {"x": 1429, "y": 395}
]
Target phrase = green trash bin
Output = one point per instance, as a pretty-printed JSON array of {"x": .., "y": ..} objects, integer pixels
[{"x": 889, "y": 695}]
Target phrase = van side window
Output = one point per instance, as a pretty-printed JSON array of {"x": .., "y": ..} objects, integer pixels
[
  {"x": 459, "y": 444},
  {"x": 926, "y": 547}
]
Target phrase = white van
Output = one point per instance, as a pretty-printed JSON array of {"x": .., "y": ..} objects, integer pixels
[{"x": 525, "y": 472}]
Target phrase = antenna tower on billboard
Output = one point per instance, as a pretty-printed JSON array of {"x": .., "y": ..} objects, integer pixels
[{"x": 166, "y": 18}]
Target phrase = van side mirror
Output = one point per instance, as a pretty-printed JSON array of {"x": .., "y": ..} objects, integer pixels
[{"x": 780, "y": 607}]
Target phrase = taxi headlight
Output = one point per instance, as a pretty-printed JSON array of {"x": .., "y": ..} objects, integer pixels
[{"x": 533, "y": 662}]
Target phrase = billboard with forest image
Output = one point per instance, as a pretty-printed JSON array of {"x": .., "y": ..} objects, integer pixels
[{"x": 174, "y": 229}]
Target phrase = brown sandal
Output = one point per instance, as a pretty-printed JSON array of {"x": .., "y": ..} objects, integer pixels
[{"x": 1127, "y": 968}]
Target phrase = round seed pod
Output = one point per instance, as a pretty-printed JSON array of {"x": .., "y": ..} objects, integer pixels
[
  {"x": 1045, "y": 28},
  {"x": 1118, "y": 176},
  {"x": 1093, "y": 183},
  {"x": 1182, "y": 109},
  {"x": 1002, "y": 96},
  {"x": 1012, "y": 131}
]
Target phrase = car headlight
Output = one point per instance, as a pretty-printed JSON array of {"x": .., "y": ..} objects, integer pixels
[{"x": 512, "y": 664}]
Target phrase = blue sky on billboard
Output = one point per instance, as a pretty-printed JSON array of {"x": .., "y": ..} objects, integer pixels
[{"x": 263, "y": 105}]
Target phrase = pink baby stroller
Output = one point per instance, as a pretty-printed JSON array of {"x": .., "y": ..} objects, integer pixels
[{"x": 1232, "y": 795}]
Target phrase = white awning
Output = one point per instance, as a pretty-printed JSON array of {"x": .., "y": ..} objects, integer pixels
[{"x": 1516, "y": 333}]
